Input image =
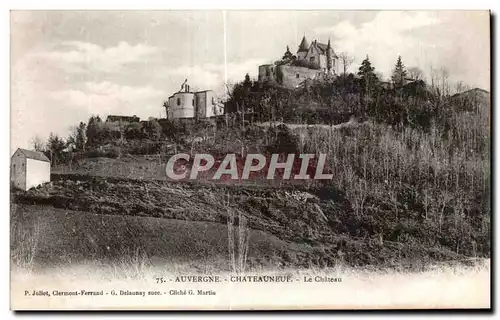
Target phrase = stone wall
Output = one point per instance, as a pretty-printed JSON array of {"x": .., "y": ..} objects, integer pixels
[
  {"x": 206, "y": 104},
  {"x": 323, "y": 62},
  {"x": 18, "y": 170},
  {"x": 292, "y": 76},
  {"x": 267, "y": 74}
]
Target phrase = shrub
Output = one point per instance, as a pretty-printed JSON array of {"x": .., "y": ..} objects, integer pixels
[
  {"x": 145, "y": 147},
  {"x": 99, "y": 152},
  {"x": 282, "y": 140},
  {"x": 305, "y": 63},
  {"x": 134, "y": 130}
]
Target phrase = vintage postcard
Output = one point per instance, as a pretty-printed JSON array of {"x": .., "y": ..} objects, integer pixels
[{"x": 250, "y": 160}]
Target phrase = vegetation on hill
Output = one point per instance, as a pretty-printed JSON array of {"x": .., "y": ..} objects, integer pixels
[
  {"x": 422, "y": 165},
  {"x": 414, "y": 173}
]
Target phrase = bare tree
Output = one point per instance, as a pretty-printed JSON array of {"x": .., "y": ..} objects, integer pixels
[
  {"x": 460, "y": 86},
  {"x": 38, "y": 144},
  {"x": 439, "y": 82},
  {"x": 444, "y": 80},
  {"x": 71, "y": 140},
  {"x": 415, "y": 73},
  {"x": 346, "y": 60}
]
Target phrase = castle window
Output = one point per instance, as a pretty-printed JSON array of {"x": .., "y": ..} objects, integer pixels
[
  {"x": 267, "y": 73},
  {"x": 312, "y": 59},
  {"x": 297, "y": 75},
  {"x": 178, "y": 101},
  {"x": 193, "y": 102}
]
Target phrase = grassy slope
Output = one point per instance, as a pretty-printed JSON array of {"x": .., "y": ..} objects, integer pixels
[
  {"x": 325, "y": 227},
  {"x": 76, "y": 237}
]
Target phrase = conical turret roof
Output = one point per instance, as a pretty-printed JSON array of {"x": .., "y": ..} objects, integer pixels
[{"x": 304, "y": 45}]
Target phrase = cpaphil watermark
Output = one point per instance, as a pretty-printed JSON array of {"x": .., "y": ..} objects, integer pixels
[{"x": 291, "y": 166}]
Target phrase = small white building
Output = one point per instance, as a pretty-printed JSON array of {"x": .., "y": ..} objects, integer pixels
[
  {"x": 181, "y": 105},
  {"x": 187, "y": 104},
  {"x": 29, "y": 169},
  {"x": 207, "y": 105}
]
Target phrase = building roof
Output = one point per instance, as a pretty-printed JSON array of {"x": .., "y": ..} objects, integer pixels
[
  {"x": 323, "y": 47},
  {"x": 304, "y": 45},
  {"x": 203, "y": 91},
  {"x": 35, "y": 155},
  {"x": 113, "y": 118},
  {"x": 182, "y": 92}
]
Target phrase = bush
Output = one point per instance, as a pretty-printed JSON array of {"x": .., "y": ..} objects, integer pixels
[
  {"x": 282, "y": 140},
  {"x": 153, "y": 129},
  {"x": 134, "y": 130},
  {"x": 305, "y": 63},
  {"x": 98, "y": 153},
  {"x": 173, "y": 129},
  {"x": 145, "y": 147}
]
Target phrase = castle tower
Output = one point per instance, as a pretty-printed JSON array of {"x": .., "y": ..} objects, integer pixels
[
  {"x": 303, "y": 49},
  {"x": 329, "y": 58}
]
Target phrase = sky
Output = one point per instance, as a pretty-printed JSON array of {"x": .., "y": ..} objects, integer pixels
[{"x": 69, "y": 65}]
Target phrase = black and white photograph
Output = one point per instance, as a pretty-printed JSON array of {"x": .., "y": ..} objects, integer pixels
[{"x": 250, "y": 159}]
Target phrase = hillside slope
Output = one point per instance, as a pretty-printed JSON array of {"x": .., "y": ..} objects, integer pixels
[
  {"x": 313, "y": 227},
  {"x": 74, "y": 237}
]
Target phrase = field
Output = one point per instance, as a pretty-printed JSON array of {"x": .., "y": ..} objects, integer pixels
[
  {"x": 64, "y": 238},
  {"x": 77, "y": 250},
  {"x": 303, "y": 227}
]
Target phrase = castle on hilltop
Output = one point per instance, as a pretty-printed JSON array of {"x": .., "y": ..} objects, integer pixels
[{"x": 312, "y": 62}]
